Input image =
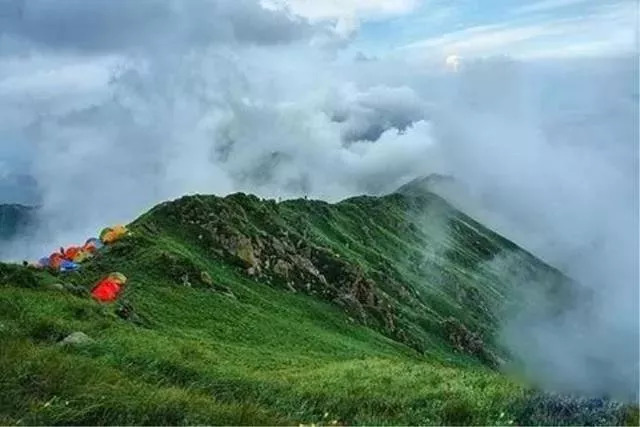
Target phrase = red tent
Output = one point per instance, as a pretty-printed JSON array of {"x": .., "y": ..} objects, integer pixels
[{"x": 108, "y": 289}]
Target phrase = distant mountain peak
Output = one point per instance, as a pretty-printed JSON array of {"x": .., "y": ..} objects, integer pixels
[
  {"x": 14, "y": 219},
  {"x": 426, "y": 183}
]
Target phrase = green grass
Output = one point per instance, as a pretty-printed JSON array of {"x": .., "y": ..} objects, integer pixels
[
  {"x": 246, "y": 350},
  {"x": 265, "y": 357}
]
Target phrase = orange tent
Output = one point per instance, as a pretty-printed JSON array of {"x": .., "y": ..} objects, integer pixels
[
  {"x": 76, "y": 254},
  {"x": 71, "y": 252},
  {"x": 55, "y": 260}
]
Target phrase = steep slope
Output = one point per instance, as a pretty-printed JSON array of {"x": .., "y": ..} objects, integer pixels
[
  {"x": 412, "y": 267},
  {"x": 242, "y": 311}
]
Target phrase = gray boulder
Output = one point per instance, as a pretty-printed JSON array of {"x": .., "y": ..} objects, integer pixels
[{"x": 76, "y": 339}]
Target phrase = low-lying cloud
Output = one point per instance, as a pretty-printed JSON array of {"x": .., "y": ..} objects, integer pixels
[{"x": 367, "y": 115}]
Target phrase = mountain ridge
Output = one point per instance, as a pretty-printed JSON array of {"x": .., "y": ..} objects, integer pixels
[{"x": 242, "y": 244}]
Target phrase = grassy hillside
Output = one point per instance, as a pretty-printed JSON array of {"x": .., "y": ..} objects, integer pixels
[{"x": 242, "y": 311}]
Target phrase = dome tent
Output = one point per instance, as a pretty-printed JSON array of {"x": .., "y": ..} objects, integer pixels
[
  {"x": 112, "y": 234},
  {"x": 109, "y": 288}
]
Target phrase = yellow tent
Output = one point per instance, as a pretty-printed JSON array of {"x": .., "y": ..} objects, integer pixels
[{"x": 113, "y": 234}]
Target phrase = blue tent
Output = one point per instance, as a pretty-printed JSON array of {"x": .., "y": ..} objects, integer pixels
[{"x": 66, "y": 266}]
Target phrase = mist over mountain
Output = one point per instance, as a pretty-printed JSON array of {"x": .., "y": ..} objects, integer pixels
[{"x": 109, "y": 108}]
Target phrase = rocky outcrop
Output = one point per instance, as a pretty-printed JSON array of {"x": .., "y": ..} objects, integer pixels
[
  {"x": 466, "y": 341},
  {"x": 277, "y": 254},
  {"x": 240, "y": 247},
  {"x": 294, "y": 246},
  {"x": 461, "y": 338},
  {"x": 76, "y": 339}
]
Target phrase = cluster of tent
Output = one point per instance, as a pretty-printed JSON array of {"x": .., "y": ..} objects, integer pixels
[{"x": 69, "y": 259}]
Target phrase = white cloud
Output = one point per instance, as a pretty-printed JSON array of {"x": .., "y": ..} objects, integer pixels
[
  {"x": 345, "y": 15},
  {"x": 607, "y": 30},
  {"x": 546, "y": 6},
  {"x": 343, "y": 9},
  {"x": 480, "y": 39},
  {"x": 58, "y": 79},
  {"x": 365, "y": 116}
]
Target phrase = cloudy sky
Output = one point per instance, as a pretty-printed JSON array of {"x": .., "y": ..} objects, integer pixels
[
  {"x": 56, "y": 59},
  {"x": 531, "y": 29},
  {"x": 110, "y": 106}
]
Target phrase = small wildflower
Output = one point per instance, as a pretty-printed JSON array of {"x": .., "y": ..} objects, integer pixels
[{"x": 326, "y": 414}]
